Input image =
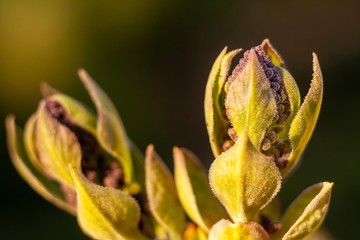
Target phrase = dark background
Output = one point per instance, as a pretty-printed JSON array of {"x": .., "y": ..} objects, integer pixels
[{"x": 153, "y": 58}]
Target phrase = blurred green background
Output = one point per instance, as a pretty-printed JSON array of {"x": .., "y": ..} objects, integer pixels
[{"x": 153, "y": 58}]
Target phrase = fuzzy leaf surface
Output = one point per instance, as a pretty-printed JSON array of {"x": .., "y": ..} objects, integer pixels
[
  {"x": 110, "y": 130},
  {"x": 226, "y": 230},
  {"x": 161, "y": 193},
  {"x": 305, "y": 120},
  {"x": 244, "y": 180},
  {"x": 214, "y": 100},
  {"x": 57, "y": 147},
  {"x": 45, "y": 187},
  {"x": 78, "y": 113},
  {"x": 249, "y": 101},
  {"x": 306, "y": 213},
  {"x": 275, "y": 57},
  {"x": 194, "y": 191},
  {"x": 106, "y": 213}
]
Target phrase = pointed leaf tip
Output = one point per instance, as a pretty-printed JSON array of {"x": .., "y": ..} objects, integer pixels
[
  {"x": 194, "y": 191},
  {"x": 47, "y": 90},
  {"x": 57, "y": 147},
  {"x": 306, "y": 213},
  {"x": 161, "y": 192},
  {"x": 244, "y": 180},
  {"x": 45, "y": 187},
  {"x": 110, "y": 130},
  {"x": 305, "y": 120},
  {"x": 250, "y": 102},
  {"x": 105, "y": 213},
  {"x": 275, "y": 57},
  {"x": 214, "y": 100}
]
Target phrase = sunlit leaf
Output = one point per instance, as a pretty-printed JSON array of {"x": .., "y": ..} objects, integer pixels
[
  {"x": 304, "y": 123},
  {"x": 225, "y": 230},
  {"x": 161, "y": 192},
  {"x": 45, "y": 187},
  {"x": 110, "y": 130},
  {"x": 244, "y": 180},
  {"x": 250, "y": 102},
  {"x": 30, "y": 142},
  {"x": 106, "y": 213},
  {"x": 77, "y": 113},
  {"x": 194, "y": 191},
  {"x": 57, "y": 147},
  {"x": 293, "y": 93},
  {"x": 275, "y": 57},
  {"x": 214, "y": 100},
  {"x": 306, "y": 213}
]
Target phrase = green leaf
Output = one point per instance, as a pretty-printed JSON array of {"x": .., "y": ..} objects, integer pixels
[
  {"x": 305, "y": 120},
  {"x": 30, "y": 142},
  {"x": 294, "y": 98},
  {"x": 225, "y": 230},
  {"x": 244, "y": 180},
  {"x": 77, "y": 112},
  {"x": 275, "y": 57},
  {"x": 306, "y": 213},
  {"x": 214, "y": 100},
  {"x": 57, "y": 147},
  {"x": 194, "y": 191},
  {"x": 249, "y": 101},
  {"x": 45, "y": 187},
  {"x": 106, "y": 213},
  {"x": 161, "y": 193},
  {"x": 110, "y": 130}
]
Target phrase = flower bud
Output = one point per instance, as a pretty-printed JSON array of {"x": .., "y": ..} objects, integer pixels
[
  {"x": 261, "y": 96},
  {"x": 65, "y": 132}
]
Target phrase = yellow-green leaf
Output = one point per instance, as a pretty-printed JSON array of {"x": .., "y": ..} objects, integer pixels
[
  {"x": 161, "y": 193},
  {"x": 30, "y": 142},
  {"x": 214, "y": 100},
  {"x": 57, "y": 147},
  {"x": 106, "y": 213},
  {"x": 275, "y": 57},
  {"x": 194, "y": 191},
  {"x": 250, "y": 102},
  {"x": 45, "y": 187},
  {"x": 306, "y": 213},
  {"x": 226, "y": 230},
  {"x": 294, "y": 98},
  {"x": 110, "y": 130},
  {"x": 77, "y": 112},
  {"x": 304, "y": 123},
  {"x": 244, "y": 180}
]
